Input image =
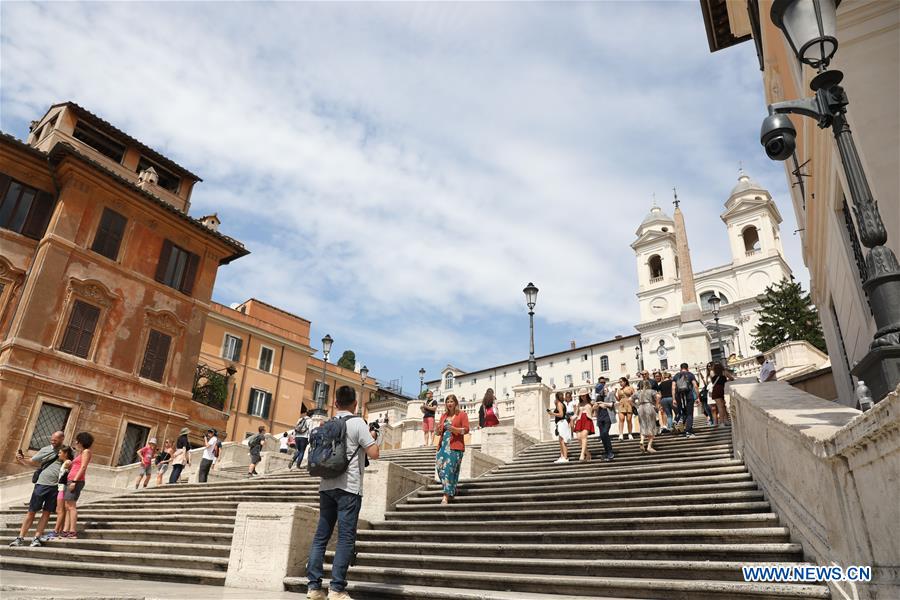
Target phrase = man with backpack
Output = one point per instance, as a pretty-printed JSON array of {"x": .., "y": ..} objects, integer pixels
[
  {"x": 255, "y": 444},
  {"x": 44, "y": 495},
  {"x": 210, "y": 453},
  {"x": 686, "y": 393},
  {"x": 335, "y": 455},
  {"x": 301, "y": 438}
]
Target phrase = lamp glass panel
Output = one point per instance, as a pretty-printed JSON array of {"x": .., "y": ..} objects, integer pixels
[{"x": 802, "y": 26}]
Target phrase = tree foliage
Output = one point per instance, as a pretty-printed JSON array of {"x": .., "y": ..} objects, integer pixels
[
  {"x": 347, "y": 360},
  {"x": 786, "y": 314}
]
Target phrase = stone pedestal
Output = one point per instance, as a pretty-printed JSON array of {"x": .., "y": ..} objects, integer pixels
[
  {"x": 532, "y": 401},
  {"x": 386, "y": 483},
  {"x": 476, "y": 463},
  {"x": 414, "y": 409},
  {"x": 271, "y": 541},
  {"x": 505, "y": 442},
  {"x": 693, "y": 338},
  {"x": 880, "y": 369}
]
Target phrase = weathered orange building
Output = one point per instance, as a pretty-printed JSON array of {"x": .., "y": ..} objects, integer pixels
[
  {"x": 105, "y": 287},
  {"x": 257, "y": 365}
]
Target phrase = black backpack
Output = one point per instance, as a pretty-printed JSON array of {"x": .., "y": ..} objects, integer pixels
[
  {"x": 328, "y": 448},
  {"x": 683, "y": 383}
]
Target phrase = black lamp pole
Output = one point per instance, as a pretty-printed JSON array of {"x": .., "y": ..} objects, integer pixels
[
  {"x": 531, "y": 299},
  {"x": 321, "y": 397},
  {"x": 715, "y": 302},
  {"x": 421, "y": 380},
  {"x": 810, "y": 29}
]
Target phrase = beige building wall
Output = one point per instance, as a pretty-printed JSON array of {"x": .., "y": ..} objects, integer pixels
[{"x": 868, "y": 33}]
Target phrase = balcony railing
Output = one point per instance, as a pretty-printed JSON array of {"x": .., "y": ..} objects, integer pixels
[
  {"x": 656, "y": 279},
  {"x": 752, "y": 252},
  {"x": 210, "y": 388}
]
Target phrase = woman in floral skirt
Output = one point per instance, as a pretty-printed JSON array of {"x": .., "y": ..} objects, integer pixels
[{"x": 452, "y": 429}]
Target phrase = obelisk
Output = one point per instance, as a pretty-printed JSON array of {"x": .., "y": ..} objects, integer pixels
[{"x": 693, "y": 338}]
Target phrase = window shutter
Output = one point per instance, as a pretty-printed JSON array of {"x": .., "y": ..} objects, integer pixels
[
  {"x": 267, "y": 405},
  {"x": 39, "y": 216},
  {"x": 4, "y": 183},
  {"x": 238, "y": 342},
  {"x": 91, "y": 316},
  {"x": 190, "y": 273},
  {"x": 109, "y": 234},
  {"x": 156, "y": 356},
  {"x": 253, "y": 396},
  {"x": 73, "y": 330},
  {"x": 163, "y": 261}
]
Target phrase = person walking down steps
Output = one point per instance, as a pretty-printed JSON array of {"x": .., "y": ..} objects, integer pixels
[
  {"x": 335, "y": 455},
  {"x": 451, "y": 433},
  {"x": 255, "y": 444}
]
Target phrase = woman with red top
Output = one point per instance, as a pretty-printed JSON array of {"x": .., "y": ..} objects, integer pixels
[
  {"x": 584, "y": 421},
  {"x": 82, "y": 445},
  {"x": 488, "y": 415},
  {"x": 452, "y": 428}
]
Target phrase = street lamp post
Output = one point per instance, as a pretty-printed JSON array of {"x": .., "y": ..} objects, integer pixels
[
  {"x": 531, "y": 299},
  {"x": 363, "y": 373},
  {"x": 715, "y": 302},
  {"x": 810, "y": 27},
  {"x": 421, "y": 380},
  {"x": 320, "y": 398}
]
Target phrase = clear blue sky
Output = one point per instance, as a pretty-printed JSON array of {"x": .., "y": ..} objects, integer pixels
[{"x": 400, "y": 171}]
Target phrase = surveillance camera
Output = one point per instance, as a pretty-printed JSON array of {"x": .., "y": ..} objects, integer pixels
[{"x": 778, "y": 136}]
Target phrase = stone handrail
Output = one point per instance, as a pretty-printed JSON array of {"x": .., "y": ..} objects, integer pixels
[
  {"x": 831, "y": 473},
  {"x": 789, "y": 358}
]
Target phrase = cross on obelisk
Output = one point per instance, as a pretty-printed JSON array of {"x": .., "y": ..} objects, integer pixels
[{"x": 676, "y": 202}]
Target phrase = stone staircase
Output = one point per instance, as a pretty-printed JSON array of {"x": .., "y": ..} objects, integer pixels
[
  {"x": 420, "y": 460},
  {"x": 179, "y": 533},
  {"x": 676, "y": 524}
]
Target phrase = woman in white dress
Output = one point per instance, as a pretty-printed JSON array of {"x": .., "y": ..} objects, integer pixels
[{"x": 563, "y": 433}]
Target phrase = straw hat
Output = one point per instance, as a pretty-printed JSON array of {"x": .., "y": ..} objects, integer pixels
[
  {"x": 184, "y": 431},
  {"x": 584, "y": 392}
]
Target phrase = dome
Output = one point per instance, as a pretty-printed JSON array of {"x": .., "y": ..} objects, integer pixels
[
  {"x": 656, "y": 214},
  {"x": 745, "y": 184}
]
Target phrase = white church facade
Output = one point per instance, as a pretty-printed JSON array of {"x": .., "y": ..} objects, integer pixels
[{"x": 757, "y": 260}]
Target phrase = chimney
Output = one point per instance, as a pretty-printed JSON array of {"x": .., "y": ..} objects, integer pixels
[
  {"x": 211, "y": 221},
  {"x": 572, "y": 345},
  {"x": 148, "y": 177}
]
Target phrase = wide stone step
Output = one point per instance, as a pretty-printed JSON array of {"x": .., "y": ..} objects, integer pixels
[
  {"x": 626, "y": 448},
  {"x": 570, "y": 522},
  {"x": 658, "y": 536},
  {"x": 182, "y": 522},
  {"x": 223, "y": 502},
  {"x": 776, "y": 551},
  {"x": 609, "y": 476},
  {"x": 201, "y": 537},
  {"x": 467, "y": 496},
  {"x": 595, "y": 587},
  {"x": 574, "y": 465},
  {"x": 152, "y": 547},
  {"x": 687, "y": 510},
  {"x": 549, "y": 505},
  {"x": 386, "y": 591},
  {"x": 584, "y": 567},
  {"x": 100, "y": 569},
  {"x": 664, "y": 441},
  {"x": 582, "y": 471},
  {"x": 151, "y": 525},
  {"x": 58, "y": 552},
  {"x": 594, "y": 484}
]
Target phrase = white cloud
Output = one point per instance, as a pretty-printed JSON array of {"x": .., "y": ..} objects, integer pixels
[{"x": 401, "y": 170}]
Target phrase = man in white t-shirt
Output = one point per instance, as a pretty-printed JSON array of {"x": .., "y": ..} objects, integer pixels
[
  {"x": 210, "y": 451},
  {"x": 340, "y": 499},
  {"x": 767, "y": 369}
]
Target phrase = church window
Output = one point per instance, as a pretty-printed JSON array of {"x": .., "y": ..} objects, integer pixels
[
  {"x": 705, "y": 296},
  {"x": 448, "y": 381},
  {"x": 751, "y": 240},
  {"x": 604, "y": 363},
  {"x": 656, "y": 269}
]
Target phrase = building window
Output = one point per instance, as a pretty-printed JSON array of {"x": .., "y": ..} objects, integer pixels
[
  {"x": 552, "y": 383},
  {"x": 103, "y": 144},
  {"x": 231, "y": 348},
  {"x": 751, "y": 240},
  {"x": 51, "y": 419},
  {"x": 568, "y": 360},
  {"x": 604, "y": 363},
  {"x": 840, "y": 340},
  {"x": 551, "y": 364},
  {"x": 448, "y": 381},
  {"x": 474, "y": 379},
  {"x": 80, "y": 331},
  {"x": 585, "y": 375},
  {"x": 177, "y": 268},
  {"x": 260, "y": 401},
  {"x": 656, "y": 269},
  {"x": 109, "y": 234},
  {"x": 265, "y": 359},
  {"x": 505, "y": 393},
  {"x": 704, "y": 300},
  {"x": 320, "y": 391},
  {"x": 24, "y": 209},
  {"x": 134, "y": 439},
  {"x": 584, "y": 357},
  {"x": 568, "y": 380},
  {"x": 167, "y": 180},
  {"x": 156, "y": 355}
]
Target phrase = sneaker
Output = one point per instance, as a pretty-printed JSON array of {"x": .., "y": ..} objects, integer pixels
[
  {"x": 316, "y": 595},
  {"x": 610, "y": 456},
  {"x": 689, "y": 435},
  {"x": 335, "y": 595},
  {"x": 19, "y": 541},
  {"x": 36, "y": 543},
  {"x": 621, "y": 437},
  {"x": 630, "y": 437},
  {"x": 52, "y": 535}
]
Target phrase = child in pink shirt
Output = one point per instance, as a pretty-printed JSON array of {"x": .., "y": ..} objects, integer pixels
[{"x": 146, "y": 455}]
